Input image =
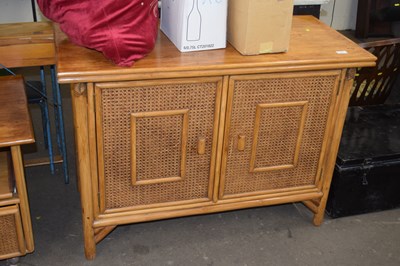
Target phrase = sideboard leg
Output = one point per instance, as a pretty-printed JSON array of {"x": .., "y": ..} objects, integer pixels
[
  {"x": 319, "y": 216},
  {"x": 337, "y": 127},
  {"x": 80, "y": 107}
]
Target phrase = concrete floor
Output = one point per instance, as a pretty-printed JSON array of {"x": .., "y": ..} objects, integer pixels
[{"x": 277, "y": 235}]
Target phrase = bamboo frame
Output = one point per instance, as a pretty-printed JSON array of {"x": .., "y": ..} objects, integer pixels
[{"x": 224, "y": 67}]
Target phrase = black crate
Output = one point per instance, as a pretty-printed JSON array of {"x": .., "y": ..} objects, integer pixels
[{"x": 367, "y": 171}]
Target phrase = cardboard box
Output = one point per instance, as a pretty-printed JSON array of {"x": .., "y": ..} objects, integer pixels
[
  {"x": 260, "y": 26},
  {"x": 194, "y": 25}
]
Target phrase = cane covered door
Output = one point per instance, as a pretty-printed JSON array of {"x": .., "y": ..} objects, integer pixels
[
  {"x": 275, "y": 132},
  {"x": 156, "y": 142},
  {"x": 12, "y": 242}
]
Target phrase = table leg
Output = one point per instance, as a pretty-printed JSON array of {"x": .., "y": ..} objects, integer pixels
[
  {"x": 59, "y": 122},
  {"x": 47, "y": 131},
  {"x": 23, "y": 196}
]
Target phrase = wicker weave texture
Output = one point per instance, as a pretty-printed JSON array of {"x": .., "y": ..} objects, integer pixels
[
  {"x": 164, "y": 143},
  {"x": 276, "y": 143},
  {"x": 278, "y": 132},
  {"x": 158, "y": 142},
  {"x": 8, "y": 235}
]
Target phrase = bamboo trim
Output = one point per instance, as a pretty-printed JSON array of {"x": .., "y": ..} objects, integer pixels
[
  {"x": 9, "y": 201},
  {"x": 92, "y": 146},
  {"x": 155, "y": 206},
  {"x": 269, "y": 193},
  {"x": 11, "y": 255},
  {"x": 23, "y": 196},
  {"x": 8, "y": 210},
  {"x": 287, "y": 75},
  {"x": 229, "y": 105},
  {"x": 127, "y": 218},
  {"x": 100, "y": 148},
  {"x": 197, "y": 203},
  {"x": 144, "y": 83},
  {"x": 101, "y": 233},
  {"x": 215, "y": 153},
  {"x": 310, "y": 205}
]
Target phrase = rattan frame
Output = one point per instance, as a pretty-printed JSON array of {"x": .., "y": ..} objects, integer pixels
[{"x": 311, "y": 52}]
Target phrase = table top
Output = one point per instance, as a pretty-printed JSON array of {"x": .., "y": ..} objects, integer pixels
[
  {"x": 27, "y": 44},
  {"x": 313, "y": 45},
  {"x": 15, "y": 121}
]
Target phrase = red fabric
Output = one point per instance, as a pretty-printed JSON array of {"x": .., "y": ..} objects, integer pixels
[{"x": 124, "y": 31}]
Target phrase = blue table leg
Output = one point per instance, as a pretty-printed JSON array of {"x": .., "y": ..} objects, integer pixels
[
  {"x": 59, "y": 123},
  {"x": 47, "y": 131}
]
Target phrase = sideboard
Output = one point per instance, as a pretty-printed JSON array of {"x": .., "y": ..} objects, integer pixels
[{"x": 182, "y": 134}]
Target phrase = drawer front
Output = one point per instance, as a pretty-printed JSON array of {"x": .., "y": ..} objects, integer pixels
[
  {"x": 11, "y": 235},
  {"x": 275, "y": 131},
  {"x": 156, "y": 141}
]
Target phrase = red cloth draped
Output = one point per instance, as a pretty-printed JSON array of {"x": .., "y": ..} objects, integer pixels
[{"x": 124, "y": 31}]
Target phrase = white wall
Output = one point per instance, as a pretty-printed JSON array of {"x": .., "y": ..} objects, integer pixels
[
  {"x": 17, "y": 11},
  {"x": 343, "y": 17}
]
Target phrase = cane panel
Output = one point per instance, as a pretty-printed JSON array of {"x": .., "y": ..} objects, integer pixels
[
  {"x": 10, "y": 230},
  {"x": 277, "y": 145},
  {"x": 284, "y": 119},
  {"x": 168, "y": 143},
  {"x": 149, "y": 135}
]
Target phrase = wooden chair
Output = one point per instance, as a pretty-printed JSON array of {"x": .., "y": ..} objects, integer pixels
[{"x": 372, "y": 85}]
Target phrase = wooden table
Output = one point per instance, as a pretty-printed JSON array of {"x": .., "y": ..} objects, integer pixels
[
  {"x": 31, "y": 44},
  {"x": 27, "y": 44},
  {"x": 15, "y": 130},
  {"x": 190, "y": 133}
]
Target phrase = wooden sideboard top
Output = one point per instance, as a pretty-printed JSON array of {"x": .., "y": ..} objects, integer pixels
[{"x": 313, "y": 46}]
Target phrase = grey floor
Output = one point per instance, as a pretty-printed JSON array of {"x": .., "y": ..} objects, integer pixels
[{"x": 277, "y": 235}]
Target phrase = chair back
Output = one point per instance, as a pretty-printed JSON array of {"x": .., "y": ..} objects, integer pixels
[{"x": 372, "y": 85}]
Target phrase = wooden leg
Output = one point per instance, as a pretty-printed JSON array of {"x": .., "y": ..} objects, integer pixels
[
  {"x": 341, "y": 110},
  {"x": 79, "y": 106},
  {"x": 23, "y": 196},
  {"x": 101, "y": 233}
]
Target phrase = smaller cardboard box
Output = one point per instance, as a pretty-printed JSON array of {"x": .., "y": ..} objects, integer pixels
[
  {"x": 260, "y": 26},
  {"x": 195, "y": 25}
]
